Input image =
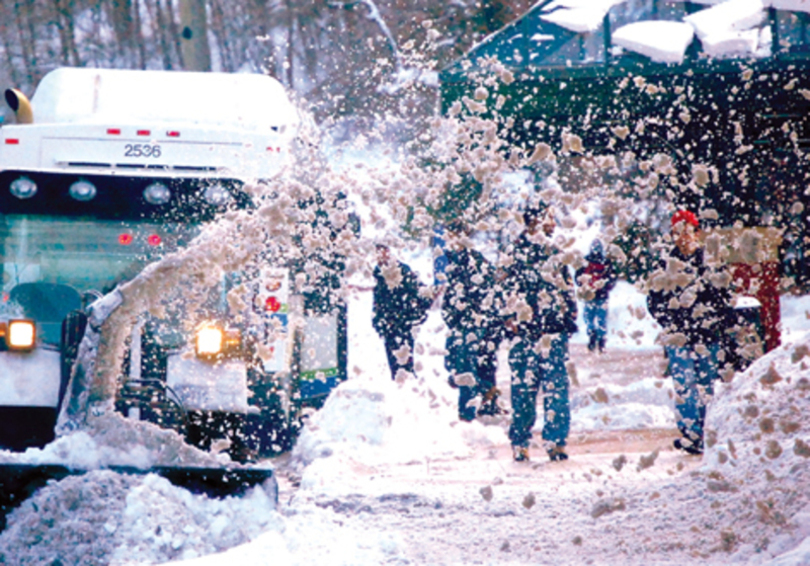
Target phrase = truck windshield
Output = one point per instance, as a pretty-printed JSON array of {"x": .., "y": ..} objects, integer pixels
[{"x": 49, "y": 262}]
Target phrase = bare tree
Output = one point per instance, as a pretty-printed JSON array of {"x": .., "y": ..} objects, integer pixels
[{"x": 194, "y": 35}]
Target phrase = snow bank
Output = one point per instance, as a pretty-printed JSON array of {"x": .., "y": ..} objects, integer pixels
[
  {"x": 107, "y": 518},
  {"x": 648, "y": 403},
  {"x": 763, "y": 416},
  {"x": 372, "y": 420}
]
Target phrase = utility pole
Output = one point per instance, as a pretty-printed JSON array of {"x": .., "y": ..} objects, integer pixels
[{"x": 194, "y": 36}]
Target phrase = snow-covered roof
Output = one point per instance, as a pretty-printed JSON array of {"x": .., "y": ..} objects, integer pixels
[
  {"x": 580, "y": 16},
  {"x": 726, "y": 28},
  {"x": 248, "y": 101},
  {"x": 732, "y": 15},
  {"x": 662, "y": 41}
]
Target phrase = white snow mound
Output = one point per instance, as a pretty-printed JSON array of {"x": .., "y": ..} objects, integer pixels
[{"x": 761, "y": 420}]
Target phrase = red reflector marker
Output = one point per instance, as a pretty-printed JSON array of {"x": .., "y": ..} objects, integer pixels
[
  {"x": 114, "y": 131},
  {"x": 272, "y": 304},
  {"x": 154, "y": 240},
  {"x": 173, "y": 134},
  {"x": 12, "y": 141},
  {"x": 125, "y": 239},
  {"x": 143, "y": 132},
  {"x": 271, "y": 149}
]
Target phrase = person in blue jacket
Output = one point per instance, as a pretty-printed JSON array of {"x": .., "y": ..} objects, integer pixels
[
  {"x": 596, "y": 280},
  {"x": 543, "y": 318},
  {"x": 691, "y": 300},
  {"x": 400, "y": 305}
]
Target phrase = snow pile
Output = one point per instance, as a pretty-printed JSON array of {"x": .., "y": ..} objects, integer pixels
[
  {"x": 112, "y": 440},
  {"x": 311, "y": 535},
  {"x": 763, "y": 415},
  {"x": 372, "y": 420},
  {"x": 648, "y": 403},
  {"x": 104, "y": 517},
  {"x": 646, "y": 38}
]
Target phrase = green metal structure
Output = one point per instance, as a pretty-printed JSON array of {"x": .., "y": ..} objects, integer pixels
[{"x": 745, "y": 117}]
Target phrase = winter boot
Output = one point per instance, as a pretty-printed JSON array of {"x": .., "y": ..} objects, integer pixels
[
  {"x": 489, "y": 403},
  {"x": 601, "y": 345},
  {"x": 520, "y": 453},
  {"x": 689, "y": 446},
  {"x": 557, "y": 453},
  {"x": 591, "y": 341}
]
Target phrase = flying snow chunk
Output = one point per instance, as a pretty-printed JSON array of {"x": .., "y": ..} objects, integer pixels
[
  {"x": 579, "y": 16},
  {"x": 661, "y": 41}
]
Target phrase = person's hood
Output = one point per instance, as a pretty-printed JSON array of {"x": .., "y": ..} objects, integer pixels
[{"x": 597, "y": 253}]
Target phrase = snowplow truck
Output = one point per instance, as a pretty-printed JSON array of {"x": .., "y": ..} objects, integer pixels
[{"x": 101, "y": 173}]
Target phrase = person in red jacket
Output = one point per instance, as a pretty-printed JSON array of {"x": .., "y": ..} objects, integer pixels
[{"x": 596, "y": 280}]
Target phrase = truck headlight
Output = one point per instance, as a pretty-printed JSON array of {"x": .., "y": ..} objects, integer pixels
[
  {"x": 209, "y": 341},
  {"x": 213, "y": 341},
  {"x": 21, "y": 335}
]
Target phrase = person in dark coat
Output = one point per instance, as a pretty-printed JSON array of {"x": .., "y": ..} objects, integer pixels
[
  {"x": 692, "y": 302},
  {"x": 596, "y": 280},
  {"x": 468, "y": 309},
  {"x": 544, "y": 310},
  {"x": 400, "y": 305}
]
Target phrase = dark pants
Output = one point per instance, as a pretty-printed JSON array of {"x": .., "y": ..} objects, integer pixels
[
  {"x": 462, "y": 363},
  {"x": 394, "y": 342},
  {"x": 530, "y": 371}
]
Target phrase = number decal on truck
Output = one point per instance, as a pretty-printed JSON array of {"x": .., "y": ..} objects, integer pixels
[{"x": 141, "y": 150}]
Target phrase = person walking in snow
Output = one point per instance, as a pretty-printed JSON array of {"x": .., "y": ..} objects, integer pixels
[
  {"x": 468, "y": 311},
  {"x": 596, "y": 280},
  {"x": 692, "y": 302},
  {"x": 400, "y": 305},
  {"x": 542, "y": 319}
]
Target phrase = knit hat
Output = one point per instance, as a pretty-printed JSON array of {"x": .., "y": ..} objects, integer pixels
[{"x": 685, "y": 216}]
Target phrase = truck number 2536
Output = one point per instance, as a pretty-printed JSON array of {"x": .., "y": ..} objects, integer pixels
[{"x": 141, "y": 150}]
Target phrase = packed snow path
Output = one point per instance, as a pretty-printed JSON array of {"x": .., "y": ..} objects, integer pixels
[{"x": 386, "y": 474}]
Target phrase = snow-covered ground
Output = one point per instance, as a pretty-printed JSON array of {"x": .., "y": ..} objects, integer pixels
[{"x": 386, "y": 474}]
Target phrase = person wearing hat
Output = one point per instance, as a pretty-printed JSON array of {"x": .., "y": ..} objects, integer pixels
[
  {"x": 596, "y": 279},
  {"x": 541, "y": 317},
  {"x": 691, "y": 300},
  {"x": 469, "y": 311},
  {"x": 400, "y": 305}
]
